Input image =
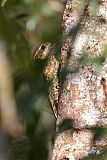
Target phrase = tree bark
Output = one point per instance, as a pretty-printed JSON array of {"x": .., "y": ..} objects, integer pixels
[{"x": 83, "y": 97}]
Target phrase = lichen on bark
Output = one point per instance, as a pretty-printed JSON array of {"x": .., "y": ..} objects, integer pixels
[{"x": 83, "y": 96}]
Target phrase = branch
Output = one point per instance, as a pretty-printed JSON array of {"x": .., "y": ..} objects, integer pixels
[
  {"x": 9, "y": 118},
  {"x": 83, "y": 97}
]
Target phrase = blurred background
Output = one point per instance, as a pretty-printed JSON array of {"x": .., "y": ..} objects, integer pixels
[{"x": 27, "y": 121}]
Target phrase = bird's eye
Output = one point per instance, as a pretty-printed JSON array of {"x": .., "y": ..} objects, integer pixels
[{"x": 43, "y": 47}]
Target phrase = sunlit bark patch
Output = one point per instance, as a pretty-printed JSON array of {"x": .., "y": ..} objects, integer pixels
[{"x": 73, "y": 144}]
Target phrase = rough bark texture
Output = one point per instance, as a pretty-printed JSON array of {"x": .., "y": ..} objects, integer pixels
[{"x": 83, "y": 98}]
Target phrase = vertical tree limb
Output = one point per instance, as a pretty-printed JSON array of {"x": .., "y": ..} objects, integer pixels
[
  {"x": 83, "y": 97},
  {"x": 9, "y": 117}
]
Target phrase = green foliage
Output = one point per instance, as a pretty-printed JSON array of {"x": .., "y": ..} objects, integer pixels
[
  {"x": 3, "y": 2},
  {"x": 24, "y": 25}
]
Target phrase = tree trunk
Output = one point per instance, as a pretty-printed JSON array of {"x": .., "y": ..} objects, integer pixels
[{"x": 83, "y": 96}]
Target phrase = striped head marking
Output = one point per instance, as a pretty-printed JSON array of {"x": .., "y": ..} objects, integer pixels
[{"x": 42, "y": 51}]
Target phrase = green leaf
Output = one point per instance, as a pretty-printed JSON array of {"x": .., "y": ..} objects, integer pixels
[{"x": 3, "y": 3}]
